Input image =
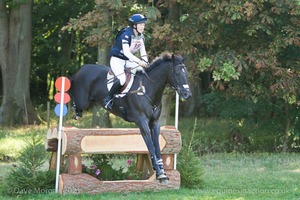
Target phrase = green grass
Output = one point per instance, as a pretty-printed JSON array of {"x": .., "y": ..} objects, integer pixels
[
  {"x": 12, "y": 140},
  {"x": 226, "y": 176},
  {"x": 252, "y": 176},
  {"x": 243, "y": 176}
]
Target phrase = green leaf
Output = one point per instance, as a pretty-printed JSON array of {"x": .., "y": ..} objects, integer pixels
[{"x": 233, "y": 17}]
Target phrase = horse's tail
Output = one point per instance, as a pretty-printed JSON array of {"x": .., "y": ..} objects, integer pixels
[{"x": 71, "y": 78}]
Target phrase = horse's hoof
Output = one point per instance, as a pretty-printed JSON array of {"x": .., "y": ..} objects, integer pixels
[
  {"x": 76, "y": 117},
  {"x": 164, "y": 181},
  {"x": 163, "y": 178}
]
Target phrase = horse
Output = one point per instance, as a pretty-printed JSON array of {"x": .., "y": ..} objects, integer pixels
[{"x": 89, "y": 86}]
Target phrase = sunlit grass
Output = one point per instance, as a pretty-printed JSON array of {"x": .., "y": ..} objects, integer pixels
[
  {"x": 242, "y": 176},
  {"x": 260, "y": 176},
  {"x": 10, "y": 147},
  {"x": 12, "y": 140}
]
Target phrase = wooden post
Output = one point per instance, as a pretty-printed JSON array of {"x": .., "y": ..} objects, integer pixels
[
  {"x": 74, "y": 164},
  {"x": 144, "y": 165}
]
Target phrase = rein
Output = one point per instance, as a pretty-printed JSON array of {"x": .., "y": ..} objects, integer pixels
[
  {"x": 162, "y": 83},
  {"x": 156, "y": 82}
]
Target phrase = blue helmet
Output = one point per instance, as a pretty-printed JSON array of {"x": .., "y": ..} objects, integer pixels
[{"x": 137, "y": 19}]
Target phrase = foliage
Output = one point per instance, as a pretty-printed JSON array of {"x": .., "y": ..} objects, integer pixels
[
  {"x": 28, "y": 176},
  {"x": 229, "y": 135},
  {"x": 188, "y": 164},
  {"x": 248, "y": 48},
  {"x": 104, "y": 169},
  {"x": 56, "y": 53},
  {"x": 113, "y": 16},
  {"x": 254, "y": 43}
]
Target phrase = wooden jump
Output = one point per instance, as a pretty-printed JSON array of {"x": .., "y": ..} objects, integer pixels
[{"x": 113, "y": 141}]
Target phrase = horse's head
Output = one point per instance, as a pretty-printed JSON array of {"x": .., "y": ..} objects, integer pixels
[{"x": 178, "y": 78}]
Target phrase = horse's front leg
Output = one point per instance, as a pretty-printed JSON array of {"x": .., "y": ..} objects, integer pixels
[
  {"x": 155, "y": 131},
  {"x": 146, "y": 134}
]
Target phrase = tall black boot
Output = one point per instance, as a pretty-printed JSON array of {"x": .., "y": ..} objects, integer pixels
[{"x": 107, "y": 101}]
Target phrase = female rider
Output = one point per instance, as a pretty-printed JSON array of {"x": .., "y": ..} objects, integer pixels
[{"x": 128, "y": 42}]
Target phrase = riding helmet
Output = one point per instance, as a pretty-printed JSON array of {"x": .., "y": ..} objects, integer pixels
[{"x": 137, "y": 19}]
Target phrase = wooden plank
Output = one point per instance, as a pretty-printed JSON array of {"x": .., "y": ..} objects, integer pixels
[
  {"x": 114, "y": 144},
  {"x": 116, "y": 140},
  {"x": 84, "y": 183}
]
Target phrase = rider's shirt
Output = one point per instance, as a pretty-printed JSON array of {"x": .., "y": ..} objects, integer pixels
[{"x": 126, "y": 36}]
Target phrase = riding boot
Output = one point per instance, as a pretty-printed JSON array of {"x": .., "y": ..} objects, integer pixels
[{"x": 107, "y": 101}]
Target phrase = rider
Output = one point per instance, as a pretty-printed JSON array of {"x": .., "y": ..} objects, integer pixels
[{"x": 128, "y": 42}]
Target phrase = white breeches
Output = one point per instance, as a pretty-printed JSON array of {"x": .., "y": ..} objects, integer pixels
[{"x": 118, "y": 65}]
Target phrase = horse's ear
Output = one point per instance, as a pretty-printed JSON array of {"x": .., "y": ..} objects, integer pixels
[{"x": 173, "y": 57}]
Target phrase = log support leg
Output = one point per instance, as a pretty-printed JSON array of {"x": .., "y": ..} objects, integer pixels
[{"x": 74, "y": 164}]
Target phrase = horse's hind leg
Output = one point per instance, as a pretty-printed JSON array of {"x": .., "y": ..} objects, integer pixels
[
  {"x": 78, "y": 112},
  {"x": 80, "y": 103}
]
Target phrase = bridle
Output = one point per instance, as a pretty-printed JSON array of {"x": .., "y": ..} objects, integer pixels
[
  {"x": 175, "y": 80},
  {"x": 173, "y": 74}
]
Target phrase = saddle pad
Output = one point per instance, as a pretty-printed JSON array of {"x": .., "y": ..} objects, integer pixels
[{"x": 110, "y": 81}]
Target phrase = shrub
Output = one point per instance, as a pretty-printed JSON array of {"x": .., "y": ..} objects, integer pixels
[
  {"x": 189, "y": 165},
  {"x": 28, "y": 177}
]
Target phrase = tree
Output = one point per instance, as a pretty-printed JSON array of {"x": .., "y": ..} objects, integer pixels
[
  {"x": 56, "y": 53},
  {"x": 15, "y": 57},
  {"x": 251, "y": 49}
]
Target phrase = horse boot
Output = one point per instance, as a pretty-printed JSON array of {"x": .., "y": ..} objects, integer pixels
[
  {"x": 161, "y": 165},
  {"x": 107, "y": 101}
]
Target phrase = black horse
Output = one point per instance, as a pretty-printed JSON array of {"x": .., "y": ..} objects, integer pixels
[{"x": 89, "y": 85}]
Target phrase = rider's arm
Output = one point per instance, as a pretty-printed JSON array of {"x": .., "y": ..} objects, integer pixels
[
  {"x": 144, "y": 53},
  {"x": 128, "y": 54}
]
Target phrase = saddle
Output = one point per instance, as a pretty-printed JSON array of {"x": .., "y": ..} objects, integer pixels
[{"x": 111, "y": 78}]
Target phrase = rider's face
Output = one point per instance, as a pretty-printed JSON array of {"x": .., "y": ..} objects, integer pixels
[{"x": 140, "y": 27}]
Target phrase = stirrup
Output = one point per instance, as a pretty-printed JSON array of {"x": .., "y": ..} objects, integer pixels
[{"x": 108, "y": 104}]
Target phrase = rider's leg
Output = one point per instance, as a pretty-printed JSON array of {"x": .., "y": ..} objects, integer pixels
[
  {"x": 115, "y": 89},
  {"x": 117, "y": 66}
]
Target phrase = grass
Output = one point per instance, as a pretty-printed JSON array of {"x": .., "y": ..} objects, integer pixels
[
  {"x": 261, "y": 176},
  {"x": 12, "y": 140},
  {"x": 226, "y": 176},
  {"x": 252, "y": 176}
]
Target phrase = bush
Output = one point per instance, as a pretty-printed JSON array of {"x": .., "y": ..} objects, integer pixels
[
  {"x": 216, "y": 135},
  {"x": 28, "y": 177},
  {"x": 189, "y": 165}
]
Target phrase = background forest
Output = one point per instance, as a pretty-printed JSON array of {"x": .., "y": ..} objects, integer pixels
[
  {"x": 242, "y": 56},
  {"x": 243, "y": 59}
]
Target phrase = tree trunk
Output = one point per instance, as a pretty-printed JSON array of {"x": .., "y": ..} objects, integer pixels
[
  {"x": 166, "y": 109},
  {"x": 101, "y": 116},
  {"x": 15, "y": 57},
  {"x": 287, "y": 128}
]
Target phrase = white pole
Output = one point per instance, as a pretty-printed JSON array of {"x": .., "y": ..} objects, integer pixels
[
  {"x": 177, "y": 110},
  {"x": 176, "y": 124},
  {"x": 59, "y": 133}
]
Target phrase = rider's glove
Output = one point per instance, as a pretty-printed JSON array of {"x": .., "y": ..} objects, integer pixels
[
  {"x": 143, "y": 63},
  {"x": 139, "y": 68}
]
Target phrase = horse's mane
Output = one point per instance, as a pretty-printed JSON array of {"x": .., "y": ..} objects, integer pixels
[{"x": 158, "y": 60}]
